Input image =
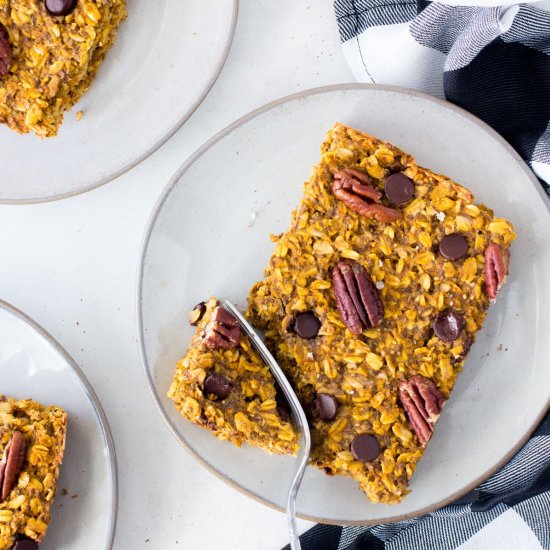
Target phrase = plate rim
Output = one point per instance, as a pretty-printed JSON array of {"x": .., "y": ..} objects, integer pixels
[
  {"x": 98, "y": 410},
  {"x": 156, "y": 146},
  {"x": 145, "y": 245}
]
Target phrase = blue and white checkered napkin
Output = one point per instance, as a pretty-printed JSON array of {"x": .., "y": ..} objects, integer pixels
[{"x": 494, "y": 62}]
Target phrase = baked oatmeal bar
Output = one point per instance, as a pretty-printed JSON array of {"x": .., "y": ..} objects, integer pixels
[
  {"x": 50, "y": 51},
  {"x": 223, "y": 384},
  {"x": 32, "y": 442},
  {"x": 371, "y": 301}
]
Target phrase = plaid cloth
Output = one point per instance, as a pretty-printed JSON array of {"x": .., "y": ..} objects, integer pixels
[{"x": 494, "y": 62}]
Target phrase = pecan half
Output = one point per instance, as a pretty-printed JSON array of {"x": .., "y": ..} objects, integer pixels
[
  {"x": 357, "y": 298},
  {"x": 5, "y": 52},
  {"x": 355, "y": 189},
  {"x": 12, "y": 462},
  {"x": 223, "y": 331},
  {"x": 422, "y": 402},
  {"x": 495, "y": 269},
  {"x": 357, "y": 183}
]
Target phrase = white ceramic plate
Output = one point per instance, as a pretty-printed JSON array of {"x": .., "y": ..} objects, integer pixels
[
  {"x": 167, "y": 56},
  {"x": 209, "y": 236},
  {"x": 32, "y": 364}
]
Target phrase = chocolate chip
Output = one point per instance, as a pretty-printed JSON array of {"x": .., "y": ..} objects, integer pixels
[
  {"x": 326, "y": 406},
  {"x": 218, "y": 385},
  {"x": 307, "y": 325},
  {"x": 365, "y": 447},
  {"x": 448, "y": 325},
  {"x": 399, "y": 188},
  {"x": 60, "y": 7},
  {"x": 453, "y": 246},
  {"x": 25, "y": 544},
  {"x": 197, "y": 314}
]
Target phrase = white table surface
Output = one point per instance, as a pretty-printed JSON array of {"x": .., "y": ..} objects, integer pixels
[{"x": 72, "y": 265}]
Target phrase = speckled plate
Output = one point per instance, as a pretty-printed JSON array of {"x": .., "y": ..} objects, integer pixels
[
  {"x": 33, "y": 364},
  {"x": 209, "y": 235},
  {"x": 167, "y": 56}
]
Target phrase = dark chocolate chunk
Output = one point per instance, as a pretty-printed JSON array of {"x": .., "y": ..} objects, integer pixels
[
  {"x": 307, "y": 325},
  {"x": 399, "y": 189},
  {"x": 453, "y": 246},
  {"x": 197, "y": 314},
  {"x": 25, "y": 544},
  {"x": 448, "y": 325},
  {"x": 326, "y": 406},
  {"x": 218, "y": 385},
  {"x": 365, "y": 447},
  {"x": 60, "y": 7}
]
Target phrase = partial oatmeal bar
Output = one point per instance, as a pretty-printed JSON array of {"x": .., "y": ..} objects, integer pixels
[
  {"x": 223, "y": 384},
  {"x": 50, "y": 51},
  {"x": 32, "y": 442},
  {"x": 393, "y": 268}
]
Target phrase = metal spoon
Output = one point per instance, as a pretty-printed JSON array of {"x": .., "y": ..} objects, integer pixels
[{"x": 298, "y": 417}]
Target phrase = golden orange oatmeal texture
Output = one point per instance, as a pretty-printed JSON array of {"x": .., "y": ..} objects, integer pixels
[
  {"x": 50, "y": 51},
  {"x": 222, "y": 384},
  {"x": 371, "y": 301},
  {"x": 32, "y": 443}
]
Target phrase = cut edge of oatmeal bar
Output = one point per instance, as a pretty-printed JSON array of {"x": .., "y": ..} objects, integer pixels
[{"x": 223, "y": 385}]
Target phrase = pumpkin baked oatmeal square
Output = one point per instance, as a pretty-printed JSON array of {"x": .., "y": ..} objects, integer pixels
[
  {"x": 32, "y": 443},
  {"x": 222, "y": 384},
  {"x": 371, "y": 301},
  {"x": 50, "y": 51}
]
